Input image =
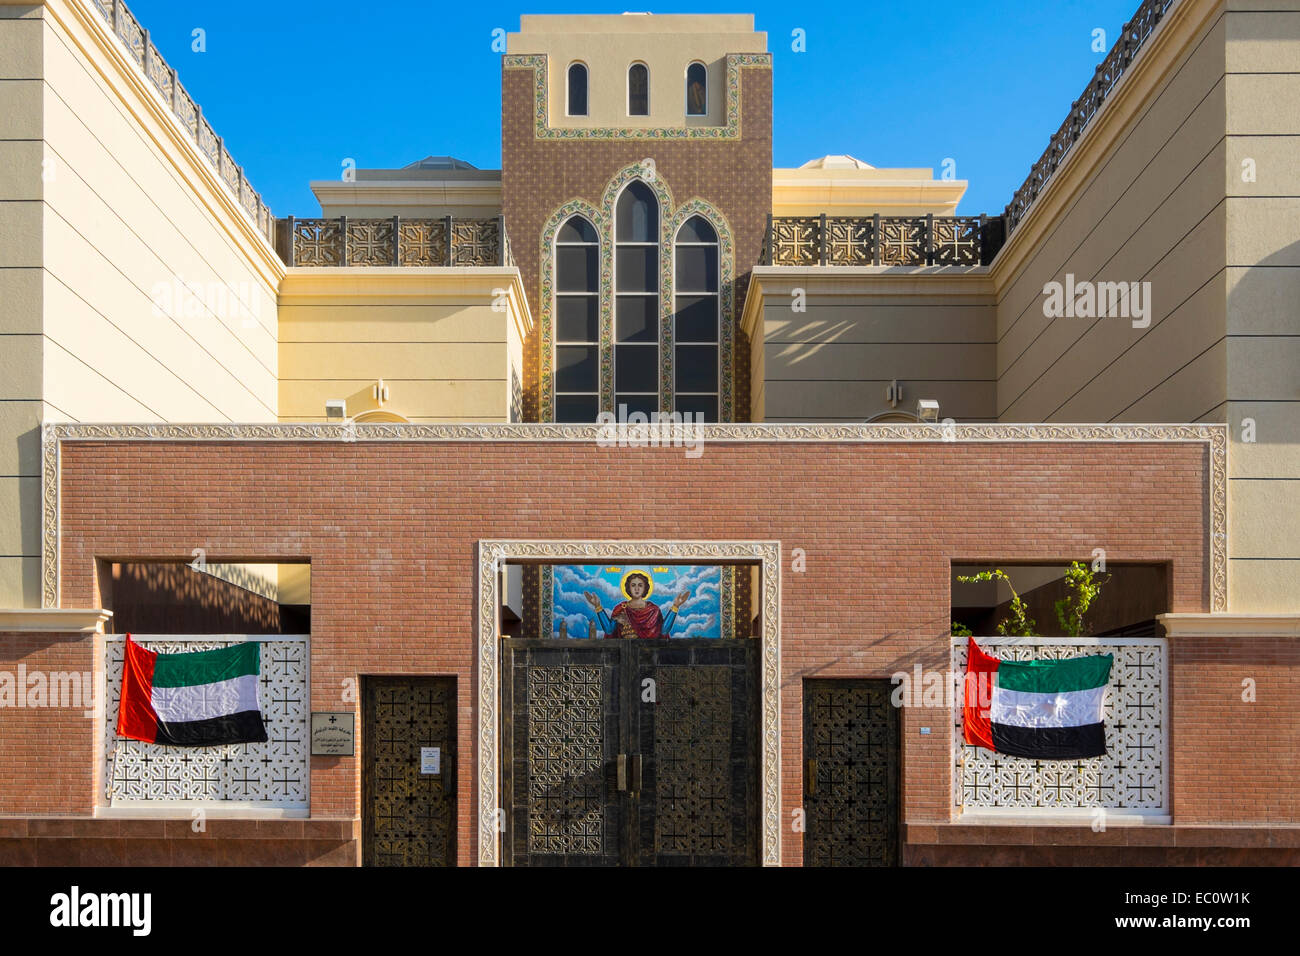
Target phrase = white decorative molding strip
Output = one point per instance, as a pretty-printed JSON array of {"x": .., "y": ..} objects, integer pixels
[
  {"x": 494, "y": 553},
  {"x": 1215, "y": 435}
]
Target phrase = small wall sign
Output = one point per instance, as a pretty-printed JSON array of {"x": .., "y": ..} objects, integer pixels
[
  {"x": 431, "y": 760},
  {"x": 333, "y": 734}
]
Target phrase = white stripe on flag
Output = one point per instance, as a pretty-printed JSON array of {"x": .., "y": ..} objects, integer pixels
[
  {"x": 1070, "y": 709},
  {"x": 203, "y": 701}
]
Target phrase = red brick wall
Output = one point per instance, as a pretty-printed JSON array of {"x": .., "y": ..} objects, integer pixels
[
  {"x": 1233, "y": 759},
  {"x": 390, "y": 530},
  {"x": 46, "y": 753}
]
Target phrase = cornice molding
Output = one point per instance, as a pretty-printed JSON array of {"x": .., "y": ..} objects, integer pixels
[
  {"x": 77, "y": 19},
  {"x": 334, "y": 282},
  {"x": 61, "y": 620},
  {"x": 1230, "y": 625}
]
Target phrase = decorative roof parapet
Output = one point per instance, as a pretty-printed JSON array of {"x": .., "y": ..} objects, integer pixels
[
  {"x": 162, "y": 77},
  {"x": 1109, "y": 72}
]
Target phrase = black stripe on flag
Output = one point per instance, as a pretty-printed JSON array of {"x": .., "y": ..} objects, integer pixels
[
  {"x": 245, "y": 727},
  {"x": 1051, "y": 743}
]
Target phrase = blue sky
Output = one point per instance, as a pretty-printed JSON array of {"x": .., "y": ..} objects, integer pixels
[{"x": 296, "y": 87}]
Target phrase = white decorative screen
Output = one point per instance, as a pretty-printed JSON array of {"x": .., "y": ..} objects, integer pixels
[
  {"x": 271, "y": 775},
  {"x": 1133, "y": 774}
]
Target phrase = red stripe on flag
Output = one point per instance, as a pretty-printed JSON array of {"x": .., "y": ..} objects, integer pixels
[
  {"x": 980, "y": 671},
  {"x": 136, "y": 717}
]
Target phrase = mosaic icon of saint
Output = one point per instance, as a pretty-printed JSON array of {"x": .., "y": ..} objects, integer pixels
[{"x": 637, "y": 617}]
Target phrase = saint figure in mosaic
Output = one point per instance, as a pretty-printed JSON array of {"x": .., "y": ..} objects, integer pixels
[{"x": 637, "y": 617}]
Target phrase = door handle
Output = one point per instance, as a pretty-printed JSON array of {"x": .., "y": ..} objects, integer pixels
[
  {"x": 634, "y": 784},
  {"x": 810, "y": 778},
  {"x": 620, "y": 772}
]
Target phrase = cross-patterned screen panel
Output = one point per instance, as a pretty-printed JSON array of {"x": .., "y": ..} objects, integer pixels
[
  {"x": 1132, "y": 776},
  {"x": 272, "y": 774}
]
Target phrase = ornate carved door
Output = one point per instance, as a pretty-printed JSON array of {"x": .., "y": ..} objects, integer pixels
[
  {"x": 408, "y": 814},
  {"x": 630, "y": 752},
  {"x": 850, "y": 773}
]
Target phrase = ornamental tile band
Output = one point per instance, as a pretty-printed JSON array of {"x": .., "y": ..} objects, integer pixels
[{"x": 543, "y": 130}]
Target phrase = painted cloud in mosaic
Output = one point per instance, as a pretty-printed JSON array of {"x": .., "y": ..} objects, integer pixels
[{"x": 687, "y": 598}]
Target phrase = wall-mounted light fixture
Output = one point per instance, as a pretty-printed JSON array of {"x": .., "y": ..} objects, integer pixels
[
  {"x": 927, "y": 410},
  {"x": 336, "y": 408}
]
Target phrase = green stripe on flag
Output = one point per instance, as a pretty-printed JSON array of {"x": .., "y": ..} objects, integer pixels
[
  {"x": 1055, "y": 677},
  {"x": 206, "y": 667}
]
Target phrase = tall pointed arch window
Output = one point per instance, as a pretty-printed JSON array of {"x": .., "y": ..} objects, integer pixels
[
  {"x": 638, "y": 90},
  {"x": 577, "y": 320},
  {"x": 636, "y": 300},
  {"x": 577, "y": 89},
  {"x": 697, "y": 90},
  {"x": 696, "y": 319}
]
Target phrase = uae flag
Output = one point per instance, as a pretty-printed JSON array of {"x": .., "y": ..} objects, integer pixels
[
  {"x": 191, "y": 700},
  {"x": 1049, "y": 710}
]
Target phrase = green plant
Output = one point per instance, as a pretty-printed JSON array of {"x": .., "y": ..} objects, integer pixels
[
  {"x": 1081, "y": 590},
  {"x": 1018, "y": 624},
  {"x": 960, "y": 630}
]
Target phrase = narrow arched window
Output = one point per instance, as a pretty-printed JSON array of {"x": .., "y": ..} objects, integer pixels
[
  {"x": 636, "y": 300},
  {"x": 577, "y": 89},
  {"x": 697, "y": 90},
  {"x": 696, "y": 319},
  {"x": 577, "y": 310},
  {"x": 638, "y": 90}
]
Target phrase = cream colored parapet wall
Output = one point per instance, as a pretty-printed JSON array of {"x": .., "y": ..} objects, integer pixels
[
  {"x": 1214, "y": 436},
  {"x": 135, "y": 38},
  {"x": 218, "y": 184}
]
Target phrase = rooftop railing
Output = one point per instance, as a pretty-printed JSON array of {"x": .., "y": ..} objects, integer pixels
[
  {"x": 1109, "y": 71},
  {"x": 163, "y": 77},
  {"x": 394, "y": 241},
  {"x": 882, "y": 240}
]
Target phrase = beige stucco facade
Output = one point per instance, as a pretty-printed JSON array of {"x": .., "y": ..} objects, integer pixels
[
  {"x": 447, "y": 342},
  {"x": 135, "y": 288}
]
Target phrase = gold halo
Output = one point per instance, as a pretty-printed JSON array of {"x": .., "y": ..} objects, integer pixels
[{"x": 645, "y": 574}]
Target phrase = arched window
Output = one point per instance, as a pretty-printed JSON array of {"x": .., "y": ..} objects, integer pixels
[
  {"x": 577, "y": 311},
  {"x": 638, "y": 90},
  {"x": 636, "y": 300},
  {"x": 577, "y": 89},
  {"x": 696, "y": 319},
  {"x": 697, "y": 90}
]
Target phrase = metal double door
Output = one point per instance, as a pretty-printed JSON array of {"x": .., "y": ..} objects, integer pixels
[{"x": 630, "y": 752}]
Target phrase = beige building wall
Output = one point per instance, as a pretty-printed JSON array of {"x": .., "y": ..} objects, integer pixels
[
  {"x": 828, "y": 341},
  {"x": 446, "y": 341},
  {"x": 1262, "y": 286},
  {"x": 136, "y": 287},
  {"x": 1140, "y": 199},
  {"x": 21, "y": 293},
  {"x": 666, "y": 44}
]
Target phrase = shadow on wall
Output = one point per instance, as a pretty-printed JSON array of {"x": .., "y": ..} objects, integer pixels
[{"x": 173, "y": 598}]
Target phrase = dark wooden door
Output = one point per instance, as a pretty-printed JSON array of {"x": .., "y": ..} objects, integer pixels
[
  {"x": 633, "y": 752},
  {"x": 560, "y": 742},
  {"x": 694, "y": 718},
  {"x": 850, "y": 773},
  {"x": 408, "y": 817}
]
